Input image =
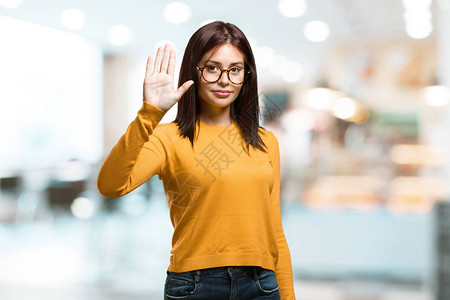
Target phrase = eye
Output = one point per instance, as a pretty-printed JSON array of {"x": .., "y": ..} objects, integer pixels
[
  {"x": 235, "y": 70},
  {"x": 211, "y": 68}
]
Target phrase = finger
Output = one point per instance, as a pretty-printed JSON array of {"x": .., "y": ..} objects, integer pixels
[
  {"x": 149, "y": 67},
  {"x": 172, "y": 61},
  {"x": 157, "y": 65},
  {"x": 166, "y": 58},
  {"x": 183, "y": 89}
]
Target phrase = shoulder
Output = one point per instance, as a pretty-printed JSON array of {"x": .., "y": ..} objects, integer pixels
[
  {"x": 166, "y": 128},
  {"x": 271, "y": 141},
  {"x": 166, "y": 132},
  {"x": 268, "y": 136}
]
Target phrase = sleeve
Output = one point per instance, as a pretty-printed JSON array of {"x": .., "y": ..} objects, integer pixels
[
  {"x": 284, "y": 267},
  {"x": 138, "y": 155}
]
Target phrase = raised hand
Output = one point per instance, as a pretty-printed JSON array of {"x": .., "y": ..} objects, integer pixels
[{"x": 158, "y": 83}]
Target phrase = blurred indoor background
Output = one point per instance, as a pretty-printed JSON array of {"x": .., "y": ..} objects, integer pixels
[{"x": 356, "y": 92}]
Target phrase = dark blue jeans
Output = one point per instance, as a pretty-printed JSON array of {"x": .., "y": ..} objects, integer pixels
[{"x": 227, "y": 283}]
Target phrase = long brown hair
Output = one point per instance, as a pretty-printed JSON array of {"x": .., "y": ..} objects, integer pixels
[{"x": 245, "y": 108}]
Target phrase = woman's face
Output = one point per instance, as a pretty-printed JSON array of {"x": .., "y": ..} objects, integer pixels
[{"x": 222, "y": 92}]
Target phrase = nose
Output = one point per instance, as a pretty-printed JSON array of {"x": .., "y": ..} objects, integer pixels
[{"x": 223, "y": 80}]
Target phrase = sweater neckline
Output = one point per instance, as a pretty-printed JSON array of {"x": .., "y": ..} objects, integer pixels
[{"x": 203, "y": 124}]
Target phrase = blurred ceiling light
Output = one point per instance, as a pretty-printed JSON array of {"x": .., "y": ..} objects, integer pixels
[
  {"x": 119, "y": 35},
  {"x": 417, "y": 18},
  {"x": 320, "y": 98},
  {"x": 413, "y": 16},
  {"x": 437, "y": 95},
  {"x": 416, "y": 4},
  {"x": 73, "y": 19},
  {"x": 316, "y": 31},
  {"x": 82, "y": 208},
  {"x": 344, "y": 108},
  {"x": 419, "y": 30},
  {"x": 292, "y": 8},
  {"x": 177, "y": 12},
  {"x": 10, "y": 3},
  {"x": 265, "y": 56},
  {"x": 293, "y": 73},
  {"x": 418, "y": 155},
  {"x": 361, "y": 116}
]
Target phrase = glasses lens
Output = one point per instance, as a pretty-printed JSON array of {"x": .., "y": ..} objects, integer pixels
[
  {"x": 236, "y": 75},
  {"x": 211, "y": 73}
]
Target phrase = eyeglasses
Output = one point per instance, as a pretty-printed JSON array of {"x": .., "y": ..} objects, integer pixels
[{"x": 212, "y": 73}]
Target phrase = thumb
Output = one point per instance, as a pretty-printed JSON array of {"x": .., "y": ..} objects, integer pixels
[{"x": 183, "y": 89}]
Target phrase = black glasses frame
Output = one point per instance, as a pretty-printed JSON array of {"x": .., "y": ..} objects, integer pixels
[{"x": 221, "y": 73}]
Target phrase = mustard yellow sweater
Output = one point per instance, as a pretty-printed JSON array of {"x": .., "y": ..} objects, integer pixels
[{"x": 224, "y": 204}]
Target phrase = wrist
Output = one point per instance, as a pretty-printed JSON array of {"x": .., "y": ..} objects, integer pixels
[{"x": 153, "y": 106}]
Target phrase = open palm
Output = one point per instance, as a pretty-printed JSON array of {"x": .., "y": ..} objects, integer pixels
[{"x": 159, "y": 76}]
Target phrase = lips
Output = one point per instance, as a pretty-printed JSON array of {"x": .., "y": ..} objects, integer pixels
[{"x": 221, "y": 93}]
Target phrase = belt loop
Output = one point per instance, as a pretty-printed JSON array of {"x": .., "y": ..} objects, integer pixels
[
  {"x": 197, "y": 276},
  {"x": 255, "y": 273}
]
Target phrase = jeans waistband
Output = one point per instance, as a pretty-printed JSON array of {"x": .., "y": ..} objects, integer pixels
[{"x": 224, "y": 270}]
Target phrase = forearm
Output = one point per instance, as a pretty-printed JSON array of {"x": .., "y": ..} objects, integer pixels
[{"x": 118, "y": 174}]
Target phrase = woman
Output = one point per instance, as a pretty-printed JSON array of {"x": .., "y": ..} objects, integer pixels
[{"x": 224, "y": 196}]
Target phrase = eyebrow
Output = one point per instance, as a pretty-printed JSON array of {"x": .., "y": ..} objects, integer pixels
[{"x": 219, "y": 63}]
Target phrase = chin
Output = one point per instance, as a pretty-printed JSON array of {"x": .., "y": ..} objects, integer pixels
[
  {"x": 222, "y": 105},
  {"x": 221, "y": 102}
]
